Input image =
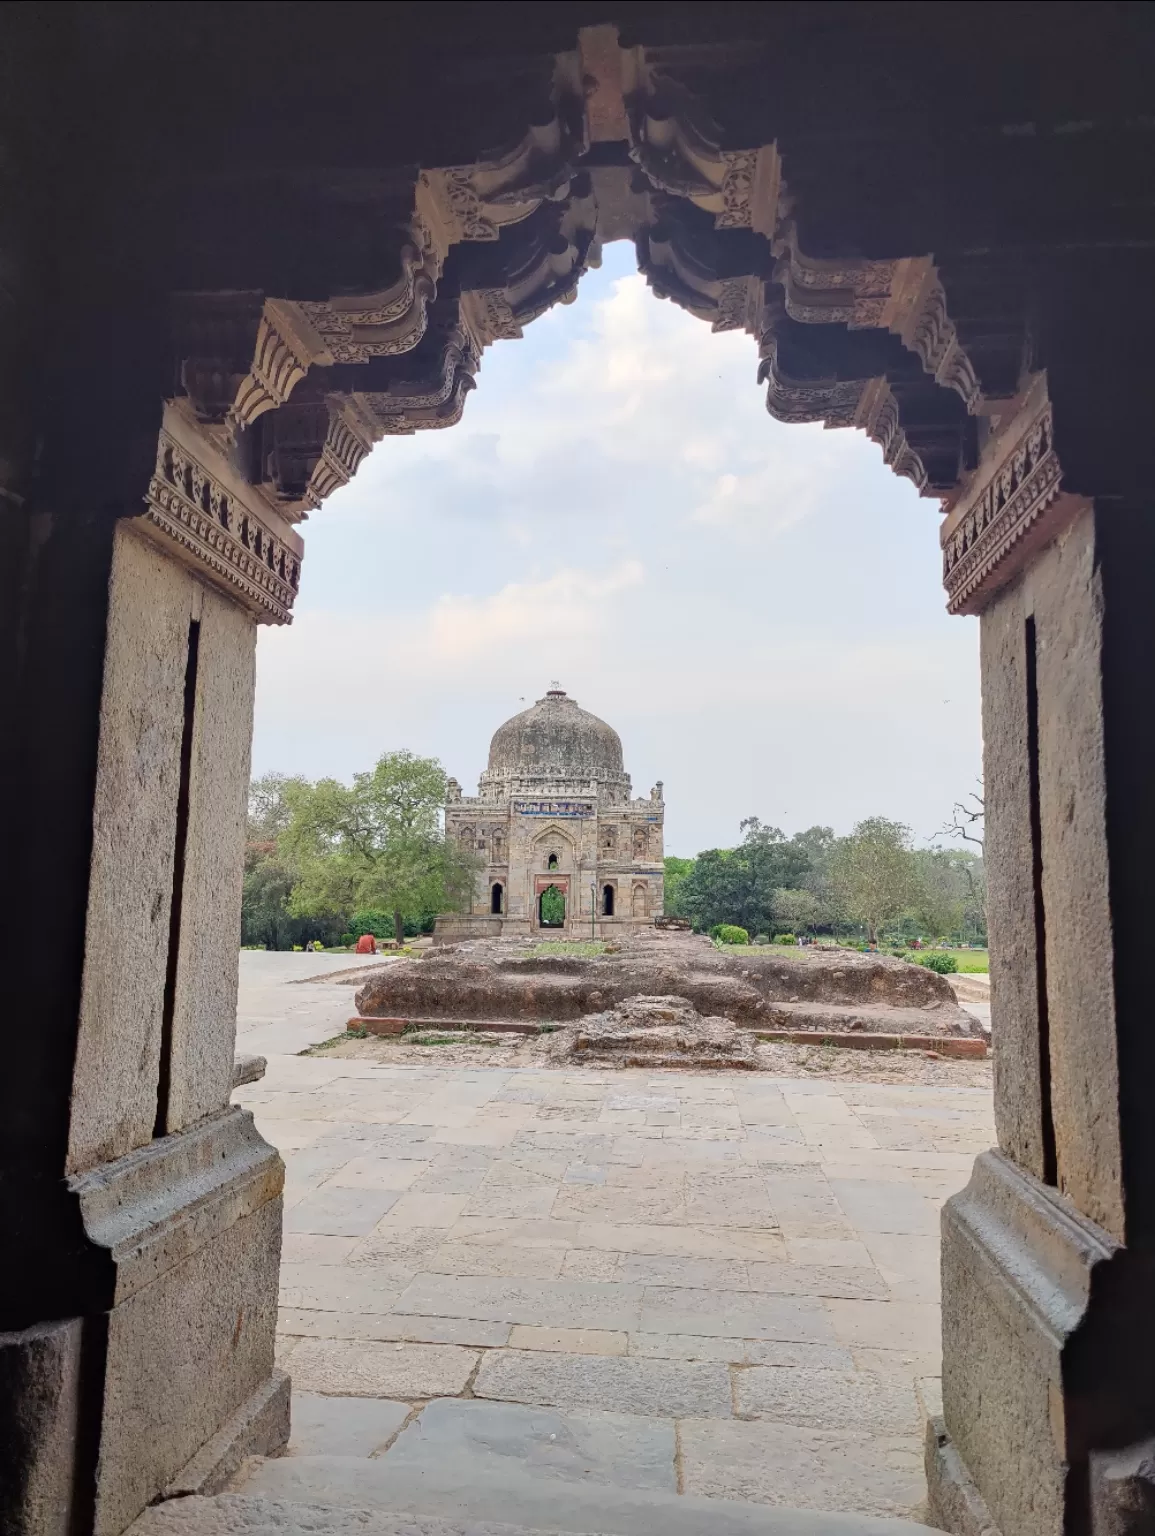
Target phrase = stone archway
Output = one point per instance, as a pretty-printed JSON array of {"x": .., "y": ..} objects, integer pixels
[
  {"x": 551, "y": 906},
  {"x": 963, "y": 273}
]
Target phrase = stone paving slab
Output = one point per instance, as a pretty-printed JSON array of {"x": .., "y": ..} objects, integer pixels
[
  {"x": 671, "y": 1388},
  {"x": 617, "y": 1450},
  {"x": 824, "y": 1399},
  {"x": 371, "y": 1368},
  {"x": 543, "y": 1303},
  {"x": 783, "y": 1464},
  {"x": 740, "y": 1314},
  {"x": 750, "y": 1262},
  {"x": 343, "y": 1426}
]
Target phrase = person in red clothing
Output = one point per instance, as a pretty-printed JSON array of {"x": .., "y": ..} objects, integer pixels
[{"x": 366, "y": 944}]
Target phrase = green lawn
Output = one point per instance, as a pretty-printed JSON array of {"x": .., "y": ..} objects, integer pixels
[{"x": 971, "y": 962}]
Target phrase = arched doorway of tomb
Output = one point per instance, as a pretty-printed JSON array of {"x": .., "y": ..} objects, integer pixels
[
  {"x": 552, "y": 861},
  {"x": 551, "y": 908},
  {"x": 497, "y": 898},
  {"x": 607, "y": 901},
  {"x": 638, "y": 901}
]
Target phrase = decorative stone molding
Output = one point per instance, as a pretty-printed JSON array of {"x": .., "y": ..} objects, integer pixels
[
  {"x": 1009, "y": 503},
  {"x": 206, "y": 525}
]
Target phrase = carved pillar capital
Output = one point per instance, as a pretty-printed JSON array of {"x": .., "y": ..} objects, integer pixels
[
  {"x": 1012, "y": 503},
  {"x": 204, "y": 515}
]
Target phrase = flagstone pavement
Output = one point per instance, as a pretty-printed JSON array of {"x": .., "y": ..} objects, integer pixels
[{"x": 722, "y": 1284}]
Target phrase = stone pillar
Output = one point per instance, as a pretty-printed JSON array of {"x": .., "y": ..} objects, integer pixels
[
  {"x": 1049, "y": 1253},
  {"x": 140, "y": 1213}
]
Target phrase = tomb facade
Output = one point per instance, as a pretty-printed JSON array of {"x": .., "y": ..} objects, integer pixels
[{"x": 563, "y": 845}]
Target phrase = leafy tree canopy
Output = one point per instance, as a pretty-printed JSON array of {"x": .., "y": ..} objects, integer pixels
[
  {"x": 874, "y": 872},
  {"x": 376, "y": 844},
  {"x": 738, "y": 885}
]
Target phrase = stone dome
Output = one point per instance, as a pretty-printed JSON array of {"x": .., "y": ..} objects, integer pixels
[{"x": 556, "y": 734}]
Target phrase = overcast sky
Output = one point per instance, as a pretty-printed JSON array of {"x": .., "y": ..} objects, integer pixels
[{"x": 756, "y": 608}]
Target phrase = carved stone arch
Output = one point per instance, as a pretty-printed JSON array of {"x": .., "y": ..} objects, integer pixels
[
  {"x": 554, "y": 837},
  {"x": 614, "y": 142}
]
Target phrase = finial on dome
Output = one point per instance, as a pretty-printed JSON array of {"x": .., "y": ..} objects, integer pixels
[{"x": 555, "y": 690}]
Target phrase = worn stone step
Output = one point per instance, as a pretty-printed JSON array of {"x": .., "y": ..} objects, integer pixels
[
  {"x": 233, "y": 1514},
  {"x": 467, "y": 1486}
]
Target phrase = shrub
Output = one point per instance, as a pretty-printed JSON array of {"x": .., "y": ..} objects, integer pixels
[
  {"x": 374, "y": 921},
  {"x": 945, "y": 965},
  {"x": 298, "y": 949},
  {"x": 786, "y": 938},
  {"x": 729, "y": 933},
  {"x": 347, "y": 939}
]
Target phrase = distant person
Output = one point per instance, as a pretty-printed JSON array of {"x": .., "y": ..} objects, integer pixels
[{"x": 366, "y": 945}]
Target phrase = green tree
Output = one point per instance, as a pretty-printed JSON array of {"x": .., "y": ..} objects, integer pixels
[
  {"x": 737, "y": 885},
  {"x": 795, "y": 911},
  {"x": 271, "y": 805},
  {"x": 676, "y": 872},
  {"x": 873, "y": 872},
  {"x": 269, "y": 875},
  {"x": 376, "y": 844},
  {"x": 941, "y": 902}
]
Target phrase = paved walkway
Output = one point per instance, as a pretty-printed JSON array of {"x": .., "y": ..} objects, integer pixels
[
  {"x": 282, "y": 1009},
  {"x": 720, "y": 1285}
]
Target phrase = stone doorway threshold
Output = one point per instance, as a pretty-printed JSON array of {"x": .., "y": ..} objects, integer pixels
[{"x": 468, "y": 1468}]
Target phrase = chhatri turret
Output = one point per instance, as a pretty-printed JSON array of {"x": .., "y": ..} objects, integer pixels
[{"x": 564, "y": 846}]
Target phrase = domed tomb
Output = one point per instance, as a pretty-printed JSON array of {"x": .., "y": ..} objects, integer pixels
[
  {"x": 559, "y": 841},
  {"x": 556, "y": 738}
]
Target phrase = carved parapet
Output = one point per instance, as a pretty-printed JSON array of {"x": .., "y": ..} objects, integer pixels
[
  {"x": 205, "y": 517},
  {"x": 1013, "y": 502}
]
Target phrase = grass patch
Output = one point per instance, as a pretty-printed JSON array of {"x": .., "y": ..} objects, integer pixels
[
  {"x": 325, "y": 1045},
  {"x": 584, "y": 949},
  {"x": 463, "y": 1037},
  {"x": 971, "y": 962}
]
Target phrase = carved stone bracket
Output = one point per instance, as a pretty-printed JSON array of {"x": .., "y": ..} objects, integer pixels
[
  {"x": 208, "y": 524},
  {"x": 878, "y": 415},
  {"x": 474, "y": 202},
  {"x": 678, "y": 148},
  {"x": 352, "y": 432},
  {"x": 282, "y": 354},
  {"x": 355, "y": 328},
  {"x": 903, "y": 296},
  {"x": 1015, "y": 499},
  {"x": 313, "y": 446}
]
